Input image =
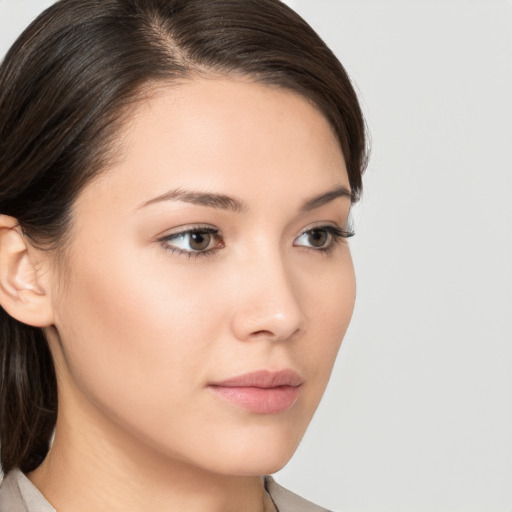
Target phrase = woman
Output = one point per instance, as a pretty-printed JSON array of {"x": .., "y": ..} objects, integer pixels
[{"x": 175, "y": 186}]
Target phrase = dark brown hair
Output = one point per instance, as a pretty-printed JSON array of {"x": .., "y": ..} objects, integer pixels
[{"x": 64, "y": 86}]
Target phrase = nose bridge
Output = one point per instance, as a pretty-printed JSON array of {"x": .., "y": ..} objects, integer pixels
[{"x": 268, "y": 303}]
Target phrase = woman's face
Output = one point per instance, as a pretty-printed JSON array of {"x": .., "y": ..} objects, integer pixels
[{"x": 210, "y": 251}]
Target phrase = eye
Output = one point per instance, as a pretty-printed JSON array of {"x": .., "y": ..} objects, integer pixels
[
  {"x": 195, "y": 241},
  {"x": 322, "y": 238},
  {"x": 315, "y": 238}
]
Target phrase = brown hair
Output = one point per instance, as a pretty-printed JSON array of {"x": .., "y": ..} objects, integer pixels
[{"x": 63, "y": 87}]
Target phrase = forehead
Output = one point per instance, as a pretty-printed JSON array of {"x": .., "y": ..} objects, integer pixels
[{"x": 225, "y": 135}]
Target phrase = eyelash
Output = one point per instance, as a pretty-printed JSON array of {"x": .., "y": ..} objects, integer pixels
[
  {"x": 191, "y": 254},
  {"x": 337, "y": 235}
]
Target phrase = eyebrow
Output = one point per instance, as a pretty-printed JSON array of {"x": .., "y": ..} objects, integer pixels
[
  {"x": 224, "y": 202},
  {"x": 219, "y": 201},
  {"x": 327, "y": 197}
]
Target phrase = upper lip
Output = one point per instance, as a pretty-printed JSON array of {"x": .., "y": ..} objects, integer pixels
[{"x": 262, "y": 379}]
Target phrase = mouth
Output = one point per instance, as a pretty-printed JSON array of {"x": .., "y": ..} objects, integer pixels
[{"x": 261, "y": 392}]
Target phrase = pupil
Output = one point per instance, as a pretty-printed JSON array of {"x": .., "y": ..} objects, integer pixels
[
  {"x": 317, "y": 237},
  {"x": 199, "y": 241}
]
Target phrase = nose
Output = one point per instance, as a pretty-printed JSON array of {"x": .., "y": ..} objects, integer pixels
[{"x": 267, "y": 304}]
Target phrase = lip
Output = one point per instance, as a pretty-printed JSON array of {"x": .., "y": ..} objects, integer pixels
[{"x": 261, "y": 392}]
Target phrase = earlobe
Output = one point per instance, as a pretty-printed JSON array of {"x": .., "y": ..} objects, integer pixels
[{"x": 21, "y": 294}]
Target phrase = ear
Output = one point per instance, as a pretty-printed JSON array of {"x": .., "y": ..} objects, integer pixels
[{"x": 21, "y": 292}]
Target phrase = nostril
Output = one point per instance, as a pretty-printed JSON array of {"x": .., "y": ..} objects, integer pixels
[
  {"x": 275, "y": 335},
  {"x": 263, "y": 333}
]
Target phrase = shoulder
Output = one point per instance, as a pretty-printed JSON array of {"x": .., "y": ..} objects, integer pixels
[
  {"x": 287, "y": 501},
  {"x": 18, "y": 494}
]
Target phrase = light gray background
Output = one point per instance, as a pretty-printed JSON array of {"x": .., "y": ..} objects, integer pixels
[{"x": 418, "y": 415}]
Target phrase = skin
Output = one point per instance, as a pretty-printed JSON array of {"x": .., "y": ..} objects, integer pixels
[{"x": 138, "y": 330}]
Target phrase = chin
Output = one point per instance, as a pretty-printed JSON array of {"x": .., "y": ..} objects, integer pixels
[
  {"x": 258, "y": 465},
  {"x": 256, "y": 453}
]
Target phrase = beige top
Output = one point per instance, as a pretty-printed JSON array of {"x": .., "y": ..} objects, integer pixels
[{"x": 19, "y": 494}]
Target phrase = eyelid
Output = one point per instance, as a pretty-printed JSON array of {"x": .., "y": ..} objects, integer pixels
[
  {"x": 165, "y": 240},
  {"x": 343, "y": 232},
  {"x": 335, "y": 236},
  {"x": 186, "y": 229}
]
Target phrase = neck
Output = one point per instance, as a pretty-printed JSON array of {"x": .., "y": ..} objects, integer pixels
[{"x": 100, "y": 468}]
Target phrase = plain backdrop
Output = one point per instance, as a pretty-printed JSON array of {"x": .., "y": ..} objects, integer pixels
[{"x": 418, "y": 414}]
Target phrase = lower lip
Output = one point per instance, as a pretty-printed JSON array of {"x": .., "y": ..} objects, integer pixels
[{"x": 259, "y": 400}]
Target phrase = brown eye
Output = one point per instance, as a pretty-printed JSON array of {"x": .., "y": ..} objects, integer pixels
[
  {"x": 322, "y": 238},
  {"x": 317, "y": 237},
  {"x": 194, "y": 241},
  {"x": 200, "y": 240}
]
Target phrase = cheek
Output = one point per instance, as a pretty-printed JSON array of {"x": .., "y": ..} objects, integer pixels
[
  {"x": 131, "y": 332},
  {"x": 330, "y": 303}
]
